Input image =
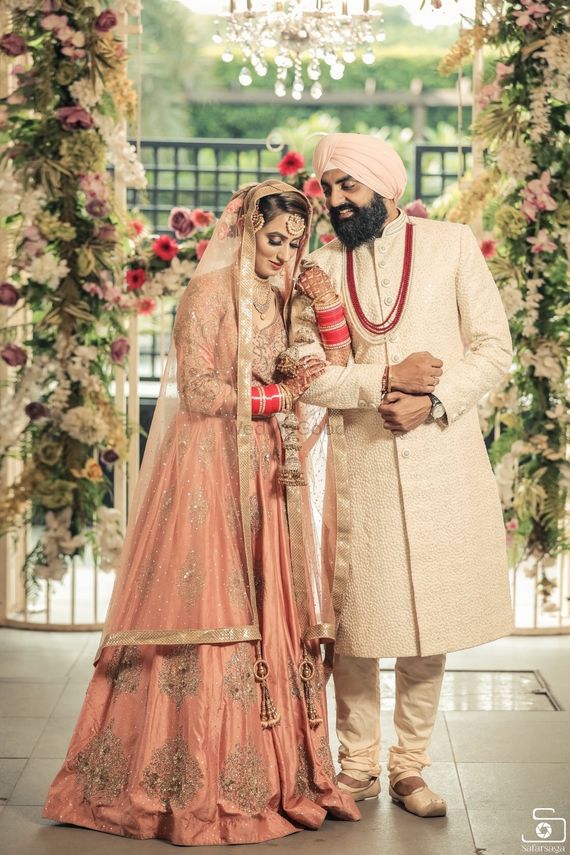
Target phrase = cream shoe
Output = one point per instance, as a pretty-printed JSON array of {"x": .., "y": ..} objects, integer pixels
[
  {"x": 370, "y": 790},
  {"x": 422, "y": 802}
]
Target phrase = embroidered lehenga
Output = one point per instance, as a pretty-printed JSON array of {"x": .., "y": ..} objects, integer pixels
[{"x": 176, "y": 738}]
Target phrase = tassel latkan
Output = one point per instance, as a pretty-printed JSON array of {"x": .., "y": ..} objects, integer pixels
[
  {"x": 307, "y": 674},
  {"x": 269, "y": 715}
]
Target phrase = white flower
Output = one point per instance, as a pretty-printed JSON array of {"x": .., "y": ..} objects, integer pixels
[
  {"x": 556, "y": 52},
  {"x": 84, "y": 424},
  {"x": 505, "y": 473},
  {"x": 539, "y": 114},
  {"x": 55, "y": 570},
  {"x": 47, "y": 270},
  {"x": 33, "y": 201},
  {"x": 10, "y": 189},
  {"x": 31, "y": 383},
  {"x": 86, "y": 94},
  {"x": 512, "y": 299},
  {"x": 515, "y": 160},
  {"x": 120, "y": 153},
  {"x": 108, "y": 537}
]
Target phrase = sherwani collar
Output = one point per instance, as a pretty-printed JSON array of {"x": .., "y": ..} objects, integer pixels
[{"x": 394, "y": 227}]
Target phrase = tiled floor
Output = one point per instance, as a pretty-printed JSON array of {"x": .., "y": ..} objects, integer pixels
[{"x": 494, "y": 767}]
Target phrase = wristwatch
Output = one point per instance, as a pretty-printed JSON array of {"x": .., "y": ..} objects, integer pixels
[{"x": 437, "y": 409}]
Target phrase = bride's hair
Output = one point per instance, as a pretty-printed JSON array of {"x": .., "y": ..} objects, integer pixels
[{"x": 283, "y": 203}]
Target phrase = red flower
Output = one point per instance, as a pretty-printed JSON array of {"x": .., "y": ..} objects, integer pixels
[
  {"x": 136, "y": 277},
  {"x": 201, "y": 248},
  {"x": 14, "y": 355},
  {"x": 165, "y": 247},
  {"x": 201, "y": 219},
  {"x": 12, "y": 44},
  {"x": 180, "y": 221},
  {"x": 137, "y": 226},
  {"x": 106, "y": 21},
  {"x": 74, "y": 118},
  {"x": 9, "y": 295},
  {"x": 488, "y": 248},
  {"x": 146, "y": 306},
  {"x": 312, "y": 188},
  {"x": 327, "y": 237},
  {"x": 291, "y": 163},
  {"x": 119, "y": 348}
]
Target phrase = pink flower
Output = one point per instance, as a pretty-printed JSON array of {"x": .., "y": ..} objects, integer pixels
[
  {"x": 201, "y": 219},
  {"x": 106, "y": 21},
  {"x": 95, "y": 184},
  {"x": 512, "y": 525},
  {"x": 490, "y": 92},
  {"x": 502, "y": 70},
  {"x": 417, "y": 208},
  {"x": 312, "y": 188},
  {"x": 291, "y": 163},
  {"x": 74, "y": 118},
  {"x": 488, "y": 248},
  {"x": 541, "y": 243},
  {"x": 536, "y": 197},
  {"x": 9, "y": 295},
  {"x": 12, "y": 44},
  {"x": 201, "y": 247},
  {"x": 14, "y": 355},
  {"x": 436, "y": 4},
  {"x": 327, "y": 237},
  {"x": 180, "y": 221},
  {"x": 165, "y": 248},
  {"x": 119, "y": 349},
  {"x": 107, "y": 232},
  {"x": 136, "y": 277},
  {"x": 145, "y": 305},
  {"x": 54, "y": 22}
]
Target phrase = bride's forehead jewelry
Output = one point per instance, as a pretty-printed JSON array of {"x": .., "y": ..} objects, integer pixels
[
  {"x": 257, "y": 219},
  {"x": 295, "y": 225}
]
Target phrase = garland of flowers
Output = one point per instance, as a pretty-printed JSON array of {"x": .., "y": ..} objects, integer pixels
[
  {"x": 524, "y": 200},
  {"x": 59, "y": 127}
]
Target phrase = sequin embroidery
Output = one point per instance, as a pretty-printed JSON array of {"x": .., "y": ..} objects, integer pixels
[
  {"x": 173, "y": 775},
  {"x": 190, "y": 579},
  {"x": 239, "y": 682},
  {"x": 124, "y": 670},
  {"x": 179, "y": 676},
  {"x": 244, "y": 780},
  {"x": 102, "y": 766}
]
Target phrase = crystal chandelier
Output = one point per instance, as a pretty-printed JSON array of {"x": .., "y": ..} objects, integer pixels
[{"x": 326, "y": 35}]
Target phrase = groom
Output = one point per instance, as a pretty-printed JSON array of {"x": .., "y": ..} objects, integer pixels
[{"x": 427, "y": 561}]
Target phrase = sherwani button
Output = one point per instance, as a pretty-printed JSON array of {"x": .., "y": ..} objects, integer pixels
[
  {"x": 382, "y": 264},
  {"x": 393, "y": 337},
  {"x": 406, "y": 452},
  {"x": 362, "y": 404},
  {"x": 385, "y": 282},
  {"x": 388, "y": 301},
  {"x": 396, "y": 357},
  {"x": 383, "y": 247}
]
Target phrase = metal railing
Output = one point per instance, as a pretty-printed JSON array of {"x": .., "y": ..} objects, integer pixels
[
  {"x": 437, "y": 167},
  {"x": 198, "y": 173}
]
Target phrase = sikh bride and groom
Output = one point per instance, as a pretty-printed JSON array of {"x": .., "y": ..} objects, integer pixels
[{"x": 315, "y": 475}]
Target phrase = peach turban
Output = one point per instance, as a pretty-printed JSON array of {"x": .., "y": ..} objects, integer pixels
[{"x": 368, "y": 159}]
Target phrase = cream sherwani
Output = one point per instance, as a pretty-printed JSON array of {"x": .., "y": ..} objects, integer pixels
[{"x": 428, "y": 571}]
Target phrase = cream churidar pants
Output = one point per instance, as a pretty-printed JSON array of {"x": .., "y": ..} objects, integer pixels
[{"x": 357, "y": 689}]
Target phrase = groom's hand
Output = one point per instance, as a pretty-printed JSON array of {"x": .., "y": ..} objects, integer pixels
[
  {"x": 418, "y": 374},
  {"x": 402, "y": 413}
]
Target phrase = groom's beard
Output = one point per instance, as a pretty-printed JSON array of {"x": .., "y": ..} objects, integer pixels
[{"x": 365, "y": 224}]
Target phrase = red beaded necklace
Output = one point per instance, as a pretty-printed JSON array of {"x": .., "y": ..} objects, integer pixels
[{"x": 396, "y": 313}]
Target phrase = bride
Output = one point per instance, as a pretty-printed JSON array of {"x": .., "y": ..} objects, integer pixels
[{"x": 205, "y": 719}]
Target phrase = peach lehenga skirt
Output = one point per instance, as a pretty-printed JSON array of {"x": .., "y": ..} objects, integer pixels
[{"x": 169, "y": 742}]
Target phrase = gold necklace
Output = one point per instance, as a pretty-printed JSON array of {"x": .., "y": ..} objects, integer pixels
[{"x": 262, "y": 289}]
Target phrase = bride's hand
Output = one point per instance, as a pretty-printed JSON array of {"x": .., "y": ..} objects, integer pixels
[{"x": 309, "y": 369}]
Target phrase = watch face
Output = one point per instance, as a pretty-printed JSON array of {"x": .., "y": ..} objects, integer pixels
[{"x": 438, "y": 411}]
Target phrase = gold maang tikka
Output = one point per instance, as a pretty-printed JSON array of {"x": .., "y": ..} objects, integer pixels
[{"x": 295, "y": 225}]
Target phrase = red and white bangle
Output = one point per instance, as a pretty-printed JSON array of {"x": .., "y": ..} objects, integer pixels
[
  {"x": 332, "y": 326},
  {"x": 266, "y": 400}
]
